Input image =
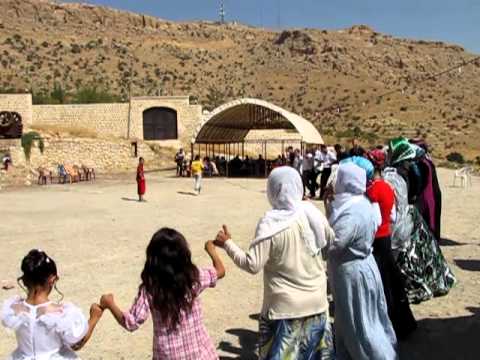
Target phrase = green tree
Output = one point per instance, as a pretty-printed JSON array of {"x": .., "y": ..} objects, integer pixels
[
  {"x": 214, "y": 99},
  {"x": 28, "y": 140},
  {"x": 58, "y": 94}
]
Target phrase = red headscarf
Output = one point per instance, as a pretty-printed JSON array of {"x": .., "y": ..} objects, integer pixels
[{"x": 377, "y": 157}]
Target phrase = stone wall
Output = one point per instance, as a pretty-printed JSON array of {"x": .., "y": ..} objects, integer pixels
[
  {"x": 20, "y": 103},
  {"x": 106, "y": 156},
  {"x": 104, "y": 119},
  {"x": 113, "y": 119}
]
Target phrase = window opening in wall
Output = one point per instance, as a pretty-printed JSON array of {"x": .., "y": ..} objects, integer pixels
[{"x": 134, "y": 149}]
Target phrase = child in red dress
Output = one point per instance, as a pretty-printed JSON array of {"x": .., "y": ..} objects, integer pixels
[{"x": 140, "y": 180}]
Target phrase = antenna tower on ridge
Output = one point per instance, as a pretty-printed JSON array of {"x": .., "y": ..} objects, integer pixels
[{"x": 222, "y": 11}]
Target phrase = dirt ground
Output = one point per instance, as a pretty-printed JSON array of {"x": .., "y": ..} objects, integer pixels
[{"x": 97, "y": 234}]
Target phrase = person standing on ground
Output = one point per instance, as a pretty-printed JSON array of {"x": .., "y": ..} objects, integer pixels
[
  {"x": 6, "y": 161},
  {"x": 170, "y": 291},
  {"x": 340, "y": 154},
  {"x": 298, "y": 162},
  {"x": 429, "y": 201},
  {"x": 309, "y": 179},
  {"x": 419, "y": 257},
  {"x": 45, "y": 329},
  {"x": 294, "y": 321},
  {"x": 179, "y": 158},
  {"x": 141, "y": 186},
  {"x": 197, "y": 170},
  {"x": 326, "y": 158},
  {"x": 363, "y": 330},
  {"x": 380, "y": 192}
]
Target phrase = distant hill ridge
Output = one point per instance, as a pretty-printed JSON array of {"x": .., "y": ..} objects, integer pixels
[{"x": 43, "y": 43}]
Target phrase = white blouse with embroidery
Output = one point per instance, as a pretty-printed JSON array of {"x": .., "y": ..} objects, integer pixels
[{"x": 44, "y": 332}]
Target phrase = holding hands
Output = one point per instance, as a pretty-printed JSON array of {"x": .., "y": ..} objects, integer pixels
[
  {"x": 222, "y": 237},
  {"x": 96, "y": 313},
  {"x": 106, "y": 301},
  {"x": 220, "y": 240}
]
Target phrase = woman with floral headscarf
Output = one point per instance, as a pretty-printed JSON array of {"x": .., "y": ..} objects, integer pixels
[
  {"x": 418, "y": 255},
  {"x": 287, "y": 247}
]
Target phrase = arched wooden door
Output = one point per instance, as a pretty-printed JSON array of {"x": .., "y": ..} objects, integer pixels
[{"x": 160, "y": 123}]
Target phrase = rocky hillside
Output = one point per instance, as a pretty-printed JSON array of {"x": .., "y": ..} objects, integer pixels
[{"x": 43, "y": 43}]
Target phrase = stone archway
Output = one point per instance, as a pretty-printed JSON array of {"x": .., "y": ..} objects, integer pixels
[{"x": 160, "y": 123}]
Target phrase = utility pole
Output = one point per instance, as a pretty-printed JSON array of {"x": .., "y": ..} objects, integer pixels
[
  {"x": 222, "y": 11},
  {"x": 279, "y": 16}
]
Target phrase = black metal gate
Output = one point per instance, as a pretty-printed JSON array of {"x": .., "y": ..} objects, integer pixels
[
  {"x": 11, "y": 126},
  {"x": 160, "y": 123}
]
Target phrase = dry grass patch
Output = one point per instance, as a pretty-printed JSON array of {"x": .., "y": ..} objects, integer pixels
[{"x": 70, "y": 131}]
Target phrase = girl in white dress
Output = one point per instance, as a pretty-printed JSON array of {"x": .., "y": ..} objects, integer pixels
[{"x": 45, "y": 330}]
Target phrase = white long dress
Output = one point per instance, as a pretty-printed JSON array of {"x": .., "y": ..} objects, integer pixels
[{"x": 44, "y": 332}]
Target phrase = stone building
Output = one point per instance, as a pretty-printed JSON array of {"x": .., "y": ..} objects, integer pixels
[
  {"x": 119, "y": 132},
  {"x": 111, "y": 137}
]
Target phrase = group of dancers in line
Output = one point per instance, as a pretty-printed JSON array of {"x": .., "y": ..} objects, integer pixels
[{"x": 379, "y": 239}]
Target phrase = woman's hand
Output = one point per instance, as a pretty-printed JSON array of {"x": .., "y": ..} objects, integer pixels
[
  {"x": 106, "y": 301},
  {"x": 96, "y": 311},
  {"x": 222, "y": 237}
]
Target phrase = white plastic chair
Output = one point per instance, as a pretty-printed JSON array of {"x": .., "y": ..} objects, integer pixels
[{"x": 465, "y": 176}]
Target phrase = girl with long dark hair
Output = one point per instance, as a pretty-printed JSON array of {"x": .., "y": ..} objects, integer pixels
[
  {"x": 45, "y": 329},
  {"x": 170, "y": 289}
]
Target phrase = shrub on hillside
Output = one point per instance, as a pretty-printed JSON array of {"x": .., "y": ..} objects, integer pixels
[
  {"x": 455, "y": 157},
  {"x": 92, "y": 95}
]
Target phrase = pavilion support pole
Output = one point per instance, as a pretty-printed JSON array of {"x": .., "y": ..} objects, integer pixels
[
  {"x": 265, "y": 153},
  {"x": 283, "y": 147},
  {"x": 213, "y": 155},
  {"x": 243, "y": 150},
  {"x": 228, "y": 160}
]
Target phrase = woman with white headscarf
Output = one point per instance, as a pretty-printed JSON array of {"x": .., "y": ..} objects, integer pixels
[
  {"x": 294, "y": 317},
  {"x": 363, "y": 330}
]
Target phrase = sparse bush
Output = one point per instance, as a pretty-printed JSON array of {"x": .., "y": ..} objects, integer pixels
[
  {"x": 92, "y": 95},
  {"x": 455, "y": 157},
  {"x": 76, "y": 49}
]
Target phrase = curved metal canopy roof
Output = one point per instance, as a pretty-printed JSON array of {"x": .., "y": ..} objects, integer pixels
[{"x": 231, "y": 122}]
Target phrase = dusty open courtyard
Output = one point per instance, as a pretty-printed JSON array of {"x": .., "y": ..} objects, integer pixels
[{"x": 97, "y": 234}]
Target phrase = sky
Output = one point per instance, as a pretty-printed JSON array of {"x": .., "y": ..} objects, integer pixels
[{"x": 452, "y": 21}]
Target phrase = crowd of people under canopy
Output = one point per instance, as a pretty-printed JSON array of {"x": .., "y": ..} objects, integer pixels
[
  {"x": 315, "y": 160},
  {"x": 379, "y": 237}
]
